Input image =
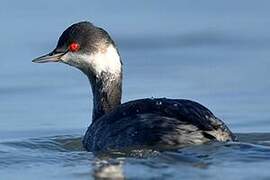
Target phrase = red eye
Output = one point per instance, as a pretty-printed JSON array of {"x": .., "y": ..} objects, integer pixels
[{"x": 73, "y": 47}]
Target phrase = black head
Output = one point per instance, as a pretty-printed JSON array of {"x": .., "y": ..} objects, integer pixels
[
  {"x": 86, "y": 47},
  {"x": 88, "y": 37}
]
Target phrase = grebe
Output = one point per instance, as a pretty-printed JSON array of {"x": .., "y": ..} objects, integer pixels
[{"x": 152, "y": 122}]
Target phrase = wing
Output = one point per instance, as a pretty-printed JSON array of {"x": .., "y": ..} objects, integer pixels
[{"x": 155, "y": 122}]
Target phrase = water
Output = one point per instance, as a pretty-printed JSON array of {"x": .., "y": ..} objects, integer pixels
[{"x": 216, "y": 53}]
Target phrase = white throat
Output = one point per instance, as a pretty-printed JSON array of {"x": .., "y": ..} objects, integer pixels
[
  {"x": 105, "y": 60},
  {"x": 104, "y": 71}
]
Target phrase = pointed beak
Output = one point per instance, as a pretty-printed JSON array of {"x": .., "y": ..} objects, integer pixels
[{"x": 51, "y": 57}]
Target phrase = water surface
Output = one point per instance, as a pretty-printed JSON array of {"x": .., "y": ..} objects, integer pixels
[{"x": 216, "y": 53}]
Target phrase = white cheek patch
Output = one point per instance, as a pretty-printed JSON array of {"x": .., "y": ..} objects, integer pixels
[{"x": 106, "y": 61}]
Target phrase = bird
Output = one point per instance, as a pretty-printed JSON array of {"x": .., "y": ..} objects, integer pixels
[{"x": 155, "y": 123}]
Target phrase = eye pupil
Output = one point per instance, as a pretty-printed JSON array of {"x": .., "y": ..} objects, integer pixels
[{"x": 73, "y": 47}]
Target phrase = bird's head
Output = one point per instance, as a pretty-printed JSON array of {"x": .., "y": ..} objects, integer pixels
[{"x": 86, "y": 47}]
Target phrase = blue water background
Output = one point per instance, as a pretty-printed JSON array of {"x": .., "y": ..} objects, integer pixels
[{"x": 214, "y": 52}]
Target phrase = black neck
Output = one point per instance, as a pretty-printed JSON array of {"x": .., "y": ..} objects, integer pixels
[{"x": 107, "y": 92}]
